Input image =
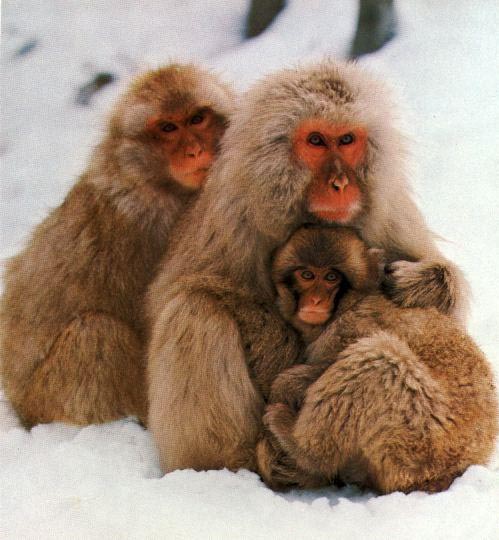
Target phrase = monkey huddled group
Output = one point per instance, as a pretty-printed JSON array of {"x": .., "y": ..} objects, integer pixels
[
  {"x": 251, "y": 278},
  {"x": 391, "y": 398}
]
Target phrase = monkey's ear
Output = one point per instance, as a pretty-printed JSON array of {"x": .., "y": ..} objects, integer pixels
[{"x": 376, "y": 260}]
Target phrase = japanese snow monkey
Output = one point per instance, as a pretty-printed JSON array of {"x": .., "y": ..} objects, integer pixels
[
  {"x": 72, "y": 321},
  {"x": 392, "y": 398},
  {"x": 317, "y": 144}
]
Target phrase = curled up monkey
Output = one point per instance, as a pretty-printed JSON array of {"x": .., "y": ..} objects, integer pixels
[{"x": 390, "y": 398}]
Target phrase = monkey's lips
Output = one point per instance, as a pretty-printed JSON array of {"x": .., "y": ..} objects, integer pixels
[
  {"x": 194, "y": 179},
  {"x": 341, "y": 214},
  {"x": 335, "y": 204},
  {"x": 313, "y": 315},
  {"x": 197, "y": 172}
]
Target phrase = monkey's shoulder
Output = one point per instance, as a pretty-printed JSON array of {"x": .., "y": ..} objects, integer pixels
[
  {"x": 382, "y": 311},
  {"x": 360, "y": 314},
  {"x": 434, "y": 337}
]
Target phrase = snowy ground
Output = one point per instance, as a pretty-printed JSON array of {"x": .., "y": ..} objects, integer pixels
[{"x": 103, "y": 481}]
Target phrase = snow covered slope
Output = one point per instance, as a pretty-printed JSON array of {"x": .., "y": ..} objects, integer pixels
[{"x": 104, "y": 481}]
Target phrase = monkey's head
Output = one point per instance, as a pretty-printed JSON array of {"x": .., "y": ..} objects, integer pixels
[
  {"x": 316, "y": 144},
  {"x": 316, "y": 267},
  {"x": 168, "y": 125}
]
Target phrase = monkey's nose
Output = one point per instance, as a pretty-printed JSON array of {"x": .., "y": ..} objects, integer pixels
[
  {"x": 193, "y": 151},
  {"x": 340, "y": 182}
]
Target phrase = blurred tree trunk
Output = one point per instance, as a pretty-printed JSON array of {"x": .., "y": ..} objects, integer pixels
[
  {"x": 376, "y": 26},
  {"x": 260, "y": 16}
]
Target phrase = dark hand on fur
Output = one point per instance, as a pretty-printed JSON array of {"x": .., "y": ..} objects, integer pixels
[
  {"x": 276, "y": 466},
  {"x": 420, "y": 284}
]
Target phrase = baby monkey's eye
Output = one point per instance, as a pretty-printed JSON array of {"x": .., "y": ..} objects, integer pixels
[
  {"x": 167, "y": 127},
  {"x": 307, "y": 274},
  {"x": 331, "y": 276},
  {"x": 197, "y": 119}
]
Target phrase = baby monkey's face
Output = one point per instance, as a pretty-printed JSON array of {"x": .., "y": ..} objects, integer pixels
[
  {"x": 314, "y": 270},
  {"x": 315, "y": 289}
]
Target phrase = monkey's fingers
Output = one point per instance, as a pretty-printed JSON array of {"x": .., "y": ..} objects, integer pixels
[{"x": 277, "y": 469}]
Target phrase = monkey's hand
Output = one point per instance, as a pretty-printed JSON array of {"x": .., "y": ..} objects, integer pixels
[
  {"x": 276, "y": 465},
  {"x": 277, "y": 469},
  {"x": 422, "y": 284},
  {"x": 290, "y": 385}
]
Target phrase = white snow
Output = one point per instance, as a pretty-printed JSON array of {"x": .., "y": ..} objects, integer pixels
[{"x": 103, "y": 481}]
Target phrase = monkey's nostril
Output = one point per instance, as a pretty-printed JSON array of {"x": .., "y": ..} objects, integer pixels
[
  {"x": 339, "y": 183},
  {"x": 194, "y": 152}
]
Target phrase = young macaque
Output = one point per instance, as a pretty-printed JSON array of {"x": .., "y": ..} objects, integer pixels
[
  {"x": 391, "y": 398},
  {"x": 73, "y": 330}
]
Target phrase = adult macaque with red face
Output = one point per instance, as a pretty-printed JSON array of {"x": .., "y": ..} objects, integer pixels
[
  {"x": 320, "y": 145},
  {"x": 345, "y": 189},
  {"x": 189, "y": 141},
  {"x": 73, "y": 328},
  {"x": 333, "y": 154}
]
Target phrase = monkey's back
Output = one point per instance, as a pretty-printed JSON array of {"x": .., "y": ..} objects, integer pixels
[
  {"x": 87, "y": 255},
  {"x": 454, "y": 361}
]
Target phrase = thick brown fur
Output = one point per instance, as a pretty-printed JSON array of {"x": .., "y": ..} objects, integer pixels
[
  {"x": 391, "y": 398},
  {"x": 205, "y": 404},
  {"x": 72, "y": 324}
]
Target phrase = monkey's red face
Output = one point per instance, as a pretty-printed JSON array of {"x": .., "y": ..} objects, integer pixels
[
  {"x": 188, "y": 143},
  {"x": 317, "y": 289},
  {"x": 333, "y": 153}
]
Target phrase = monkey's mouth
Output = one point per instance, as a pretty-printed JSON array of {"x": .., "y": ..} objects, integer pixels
[
  {"x": 336, "y": 215},
  {"x": 313, "y": 316},
  {"x": 194, "y": 172}
]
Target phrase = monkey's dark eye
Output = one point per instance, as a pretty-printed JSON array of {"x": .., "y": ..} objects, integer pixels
[
  {"x": 316, "y": 139},
  {"x": 348, "y": 138},
  {"x": 167, "y": 127},
  {"x": 307, "y": 274},
  {"x": 197, "y": 119},
  {"x": 331, "y": 276}
]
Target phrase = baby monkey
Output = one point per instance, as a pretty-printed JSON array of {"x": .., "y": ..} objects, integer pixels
[{"x": 390, "y": 398}]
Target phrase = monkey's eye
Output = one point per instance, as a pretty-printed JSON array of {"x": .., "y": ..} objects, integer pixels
[
  {"x": 331, "y": 276},
  {"x": 316, "y": 139},
  {"x": 307, "y": 274},
  {"x": 167, "y": 127},
  {"x": 197, "y": 119},
  {"x": 348, "y": 138}
]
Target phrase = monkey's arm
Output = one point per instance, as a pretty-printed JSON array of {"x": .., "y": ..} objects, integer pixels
[
  {"x": 418, "y": 275},
  {"x": 270, "y": 344},
  {"x": 279, "y": 459},
  {"x": 205, "y": 412},
  {"x": 338, "y": 335},
  {"x": 290, "y": 386},
  {"x": 427, "y": 283}
]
